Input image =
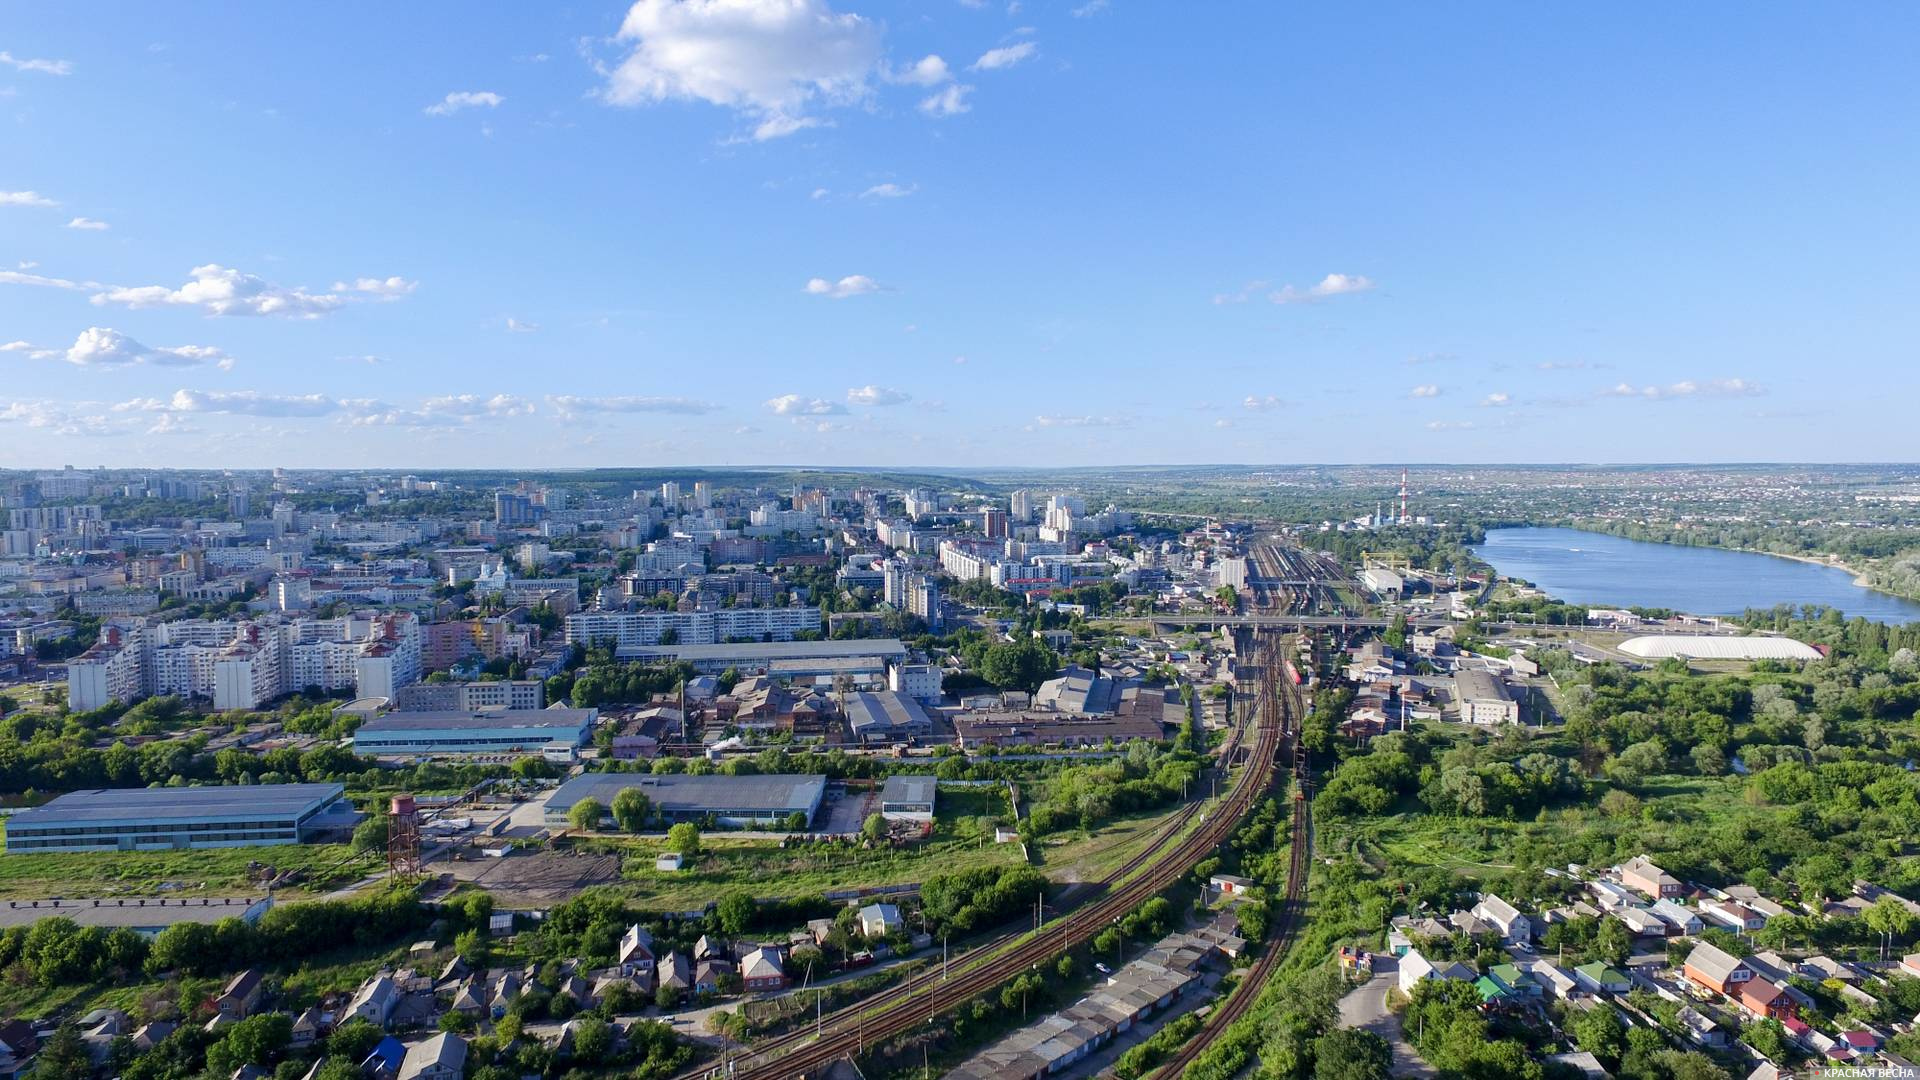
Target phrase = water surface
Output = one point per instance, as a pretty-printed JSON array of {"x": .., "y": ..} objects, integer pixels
[{"x": 1598, "y": 570}]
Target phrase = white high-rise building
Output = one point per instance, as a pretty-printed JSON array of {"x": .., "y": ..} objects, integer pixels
[
  {"x": 670, "y": 494},
  {"x": 702, "y": 495},
  {"x": 1022, "y": 507}
]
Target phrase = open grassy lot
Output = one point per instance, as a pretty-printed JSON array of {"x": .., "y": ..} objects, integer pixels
[{"x": 205, "y": 872}]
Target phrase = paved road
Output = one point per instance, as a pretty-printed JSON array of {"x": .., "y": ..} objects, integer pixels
[{"x": 1366, "y": 1007}]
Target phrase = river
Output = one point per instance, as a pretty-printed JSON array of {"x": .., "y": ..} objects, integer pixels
[{"x": 1598, "y": 570}]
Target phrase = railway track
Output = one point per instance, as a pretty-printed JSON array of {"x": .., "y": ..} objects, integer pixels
[
  {"x": 1285, "y": 926},
  {"x": 849, "y": 1031}
]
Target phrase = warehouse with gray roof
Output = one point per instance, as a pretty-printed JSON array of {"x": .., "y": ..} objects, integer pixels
[
  {"x": 166, "y": 819},
  {"x": 727, "y": 800}
]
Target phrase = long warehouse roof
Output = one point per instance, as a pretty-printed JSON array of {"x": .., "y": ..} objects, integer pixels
[{"x": 1705, "y": 647}]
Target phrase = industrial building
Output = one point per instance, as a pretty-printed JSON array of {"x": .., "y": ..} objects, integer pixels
[
  {"x": 974, "y": 730},
  {"x": 1483, "y": 698},
  {"x": 886, "y": 717},
  {"x": 467, "y": 696},
  {"x": 728, "y": 800},
  {"x": 908, "y": 798},
  {"x": 164, "y": 819},
  {"x": 860, "y": 656},
  {"x": 477, "y": 731}
]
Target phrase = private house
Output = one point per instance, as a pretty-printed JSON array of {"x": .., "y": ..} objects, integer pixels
[
  {"x": 1557, "y": 980},
  {"x": 373, "y": 1002},
  {"x": 1414, "y": 967},
  {"x": 1642, "y": 876},
  {"x": 879, "y": 920},
  {"x": 1713, "y": 969},
  {"x": 443, "y": 1057},
  {"x": 1514, "y": 926},
  {"x": 241, "y": 996},
  {"x": 1641, "y": 921},
  {"x": 761, "y": 969},
  {"x": 1762, "y": 999},
  {"x": 636, "y": 951},
  {"x": 1598, "y": 978},
  {"x": 1733, "y": 915},
  {"x": 676, "y": 972},
  {"x": 1680, "y": 920}
]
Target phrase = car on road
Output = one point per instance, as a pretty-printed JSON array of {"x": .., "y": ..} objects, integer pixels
[{"x": 1102, "y": 969}]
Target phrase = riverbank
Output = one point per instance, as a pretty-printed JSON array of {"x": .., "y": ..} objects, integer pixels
[{"x": 1862, "y": 578}]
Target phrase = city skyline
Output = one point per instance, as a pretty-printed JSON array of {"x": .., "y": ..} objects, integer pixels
[{"x": 954, "y": 236}]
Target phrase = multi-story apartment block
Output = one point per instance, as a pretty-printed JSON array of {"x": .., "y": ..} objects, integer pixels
[{"x": 691, "y": 627}]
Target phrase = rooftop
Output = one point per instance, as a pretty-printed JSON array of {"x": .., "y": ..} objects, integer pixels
[
  {"x": 568, "y": 719},
  {"x": 100, "y": 806},
  {"x": 915, "y": 789},
  {"x": 676, "y": 793},
  {"x": 886, "y": 648}
]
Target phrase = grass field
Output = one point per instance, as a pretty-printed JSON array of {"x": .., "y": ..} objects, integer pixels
[{"x": 205, "y": 872}]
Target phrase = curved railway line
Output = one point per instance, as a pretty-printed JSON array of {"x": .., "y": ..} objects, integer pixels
[
  {"x": 850, "y": 1030},
  {"x": 1278, "y": 697}
]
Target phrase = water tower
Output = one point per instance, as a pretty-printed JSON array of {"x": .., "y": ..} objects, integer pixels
[{"x": 403, "y": 839}]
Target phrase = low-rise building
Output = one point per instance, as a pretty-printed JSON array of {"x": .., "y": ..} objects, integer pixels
[
  {"x": 480, "y": 731},
  {"x": 729, "y": 800},
  {"x": 908, "y": 798},
  {"x": 1644, "y": 877},
  {"x": 161, "y": 819}
]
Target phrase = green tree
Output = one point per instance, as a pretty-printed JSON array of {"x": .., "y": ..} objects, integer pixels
[
  {"x": 736, "y": 911},
  {"x": 371, "y": 834},
  {"x": 1889, "y": 918},
  {"x": 256, "y": 1040},
  {"x": 1023, "y": 664},
  {"x": 874, "y": 828},
  {"x": 586, "y": 814},
  {"x": 1600, "y": 1032},
  {"x": 631, "y": 808},
  {"x": 1351, "y": 1054},
  {"x": 63, "y": 1056},
  {"x": 684, "y": 838}
]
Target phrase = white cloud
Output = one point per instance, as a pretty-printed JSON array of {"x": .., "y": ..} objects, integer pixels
[
  {"x": 1223, "y": 422},
  {"x": 769, "y": 59},
  {"x": 1450, "y": 425},
  {"x": 929, "y": 70},
  {"x": 1430, "y": 358},
  {"x": 1080, "y": 421},
  {"x": 1331, "y": 285},
  {"x": 800, "y": 405},
  {"x": 1426, "y": 390},
  {"x": 568, "y": 405},
  {"x": 44, "y": 67},
  {"x": 25, "y": 198},
  {"x": 820, "y": 193},
  {"x": 88, "y": 224},
  {"x": 1244, "y": 294},
  {"x": 1496, "y": 400},
  {"x": 391, "y": 288},
  {"x": 1089, "y": 9},
  {"x": 1561, "y": 365},
  {"x": 1262, "y": 404},
  {"x": 877, "y": 395},
  {"x": 949, "y": 102},
  {"x": 887, "y": 191},
  {"x": 452, "y": 410},
  {"x": 16, "y": 277},
  {"x": 238, "y": 402},
  {"x": 99, "y": 346},
  {"x": 515, "y": 326},
  {"x": 1687, "y": 388},
  {"x": 219, "y": 290},
  {"x": 851, "y": 285},
  {"x": 1005, "y": 56},
  {"x": 59, "y": 419},
  {"x": 17, "y": 346},
  {"x": 464, "y": 99}
]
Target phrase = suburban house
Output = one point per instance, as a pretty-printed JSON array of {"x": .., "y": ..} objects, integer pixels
[
  {"x": 242, "y": 995},
  {"x": 1761, "y": 998},
  {"x": 373, "y": 1002},
  {"x": 1734, "y": 915},
  {"x": 443, "y": 1057},
  {"x": 1642, "y": 876},
  {"x": 1679, "y": 919},
  {"x": 636, "y": 950},
  {"x": 1513, "y": 925},
  {"x": 1597, "y": 977},
  {"x": 761, "y": 969},
  {"x": 1414, "y": 967},
  {"x": 1643, "y": 922},
  {"x": 1713, "y": 969},
  {"x": 879, "y": 920},
  {"x": 676, "y": 972}
]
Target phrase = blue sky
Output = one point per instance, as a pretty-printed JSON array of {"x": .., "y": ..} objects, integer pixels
[{"x": 953, "y": 234}]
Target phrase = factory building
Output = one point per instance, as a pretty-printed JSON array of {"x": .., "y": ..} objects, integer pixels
[
  {"x": 476, "y": 731},
  {"x": 166, "y": 819},
  {"x": 729, "y": 800}
]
